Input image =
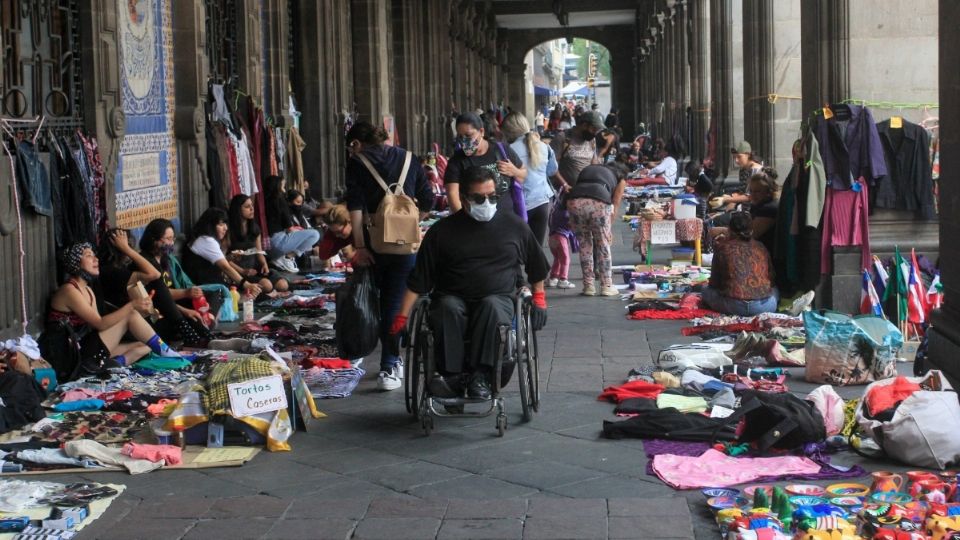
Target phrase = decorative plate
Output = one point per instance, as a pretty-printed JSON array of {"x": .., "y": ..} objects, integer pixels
[
  {"x": 806, "y": 500},
  {"x": 893, "y": 497},
  {"x": 750, "y": 490},
  {"x": 805, "y": 489},
  {"x": 848, "y": 489},
  {"x": 720, "y": 503},
  {"x": 720, "y": 492},
  {"x": 847, "y": 501}
]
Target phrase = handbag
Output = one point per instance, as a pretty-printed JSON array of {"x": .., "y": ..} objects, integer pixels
[{"x": 516, "y": 190}]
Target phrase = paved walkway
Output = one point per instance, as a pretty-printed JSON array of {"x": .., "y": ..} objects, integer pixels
[{"x": 367, "y": 471}]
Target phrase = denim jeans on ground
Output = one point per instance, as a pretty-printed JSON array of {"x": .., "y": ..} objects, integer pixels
[
  {"x": 33, "y": 179},
  {"x": 298, "y": 242},
  {"x": 745, "y": 308},
  {"x": 390, "y": 272}
]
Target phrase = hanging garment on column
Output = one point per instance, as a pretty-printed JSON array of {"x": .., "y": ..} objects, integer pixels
[
  {"x": 850, "y": 146},
  {"x": 281, "y": 151},
  {"x": 97, "y": 183},
  {"x": 846, "y": 223},
  {"x": 908, "y": 184},
  {"x": 246, "y": 178},
  {"x": 295, "y": 145}
]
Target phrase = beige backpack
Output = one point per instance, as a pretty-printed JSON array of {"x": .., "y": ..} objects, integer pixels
[{"x": 395, "y": 228}]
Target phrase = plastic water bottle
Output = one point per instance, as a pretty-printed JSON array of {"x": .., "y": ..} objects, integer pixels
[
  {"x": 236, "y": 299},
  {"x": 247, "y": 308}
]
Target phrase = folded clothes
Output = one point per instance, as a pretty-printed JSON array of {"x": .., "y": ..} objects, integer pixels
[
  {"x": 109, "y": 456},
  {"x": 80, "y": 405},
  {"x": 716, "y": 469},
  {"x": 684, "y": 404},
  {"x": 679, "y": 314},
  {"x": 54, "y": 456},
  {"x": 633, "y": 389},
  {"x": 168, "y": 454}
]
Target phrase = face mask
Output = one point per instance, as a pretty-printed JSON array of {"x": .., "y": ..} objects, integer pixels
[
  {"x": 296, "y": 207},
  {"x": 482, "y": 212},
  {"x": 468, "y": 145},
  {"x": 166, "y": 249}
]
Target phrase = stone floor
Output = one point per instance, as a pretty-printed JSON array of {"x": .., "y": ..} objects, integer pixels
[{"x": 367, "y": 470}]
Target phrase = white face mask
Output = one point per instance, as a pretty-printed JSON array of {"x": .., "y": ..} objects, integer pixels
[{"x": 482, "y": 212}]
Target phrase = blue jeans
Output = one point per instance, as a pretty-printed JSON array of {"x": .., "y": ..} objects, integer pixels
[
  {"x": 298, "y": 242},
  {"x": 390, "y": 272},
  {"x": 34, "y": 182},
  {"x": 745, "y": 308}
]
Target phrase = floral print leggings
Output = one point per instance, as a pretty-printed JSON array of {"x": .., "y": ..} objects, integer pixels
[{"x": 590, "y": 221}]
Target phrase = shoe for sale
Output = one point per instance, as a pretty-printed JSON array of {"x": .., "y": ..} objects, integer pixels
[
  {"x": 388, "y": 380},
  {"x": 478, "y": 387},
  {"x": 801, "y": 303},
  {"x": 588, "y": 290},
  {"x": 609, "y": 291},
  {"x": 552, "y": 282},
  {"x": 285, "y": 264},
  {"x": 564, "y": 284}
]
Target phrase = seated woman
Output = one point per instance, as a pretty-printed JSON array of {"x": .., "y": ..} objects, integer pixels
[
  {"x": 288, "y": 241},
  {"x": 663, "y": 165},
  {"x": 203, "y": 258},
  {"x": 246, "y": 254},
  {"x": 73, "y": 315},
  {"x": 764, "y": 205},
  {"x": 741, "y": 282},
  {"x": 338, "y": 235},
  {"x": 122, "y": 267}
]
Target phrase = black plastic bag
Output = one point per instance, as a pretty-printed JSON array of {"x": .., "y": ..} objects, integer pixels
[{"x": 358, "y": 315}]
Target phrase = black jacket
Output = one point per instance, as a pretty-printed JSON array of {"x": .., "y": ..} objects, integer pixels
[{"x": 909, "y": 182}]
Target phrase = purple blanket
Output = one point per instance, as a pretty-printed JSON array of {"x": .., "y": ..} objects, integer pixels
[{"x": 655, "y": 447}]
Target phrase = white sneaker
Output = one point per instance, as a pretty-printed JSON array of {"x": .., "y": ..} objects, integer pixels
[
  {"x": 564, "y": 284},
  {"x": 801, "y": 304},
  {"x": 398, "y": 369},
  {"x": 285, "y": 264},
  {"x": 293, "y": 265},
  {"x": 609, "y": 291},
  {"x": 388, "y": 380},
  {"x": 589, "y": 290},
  {"x": 552, "y": 282}
]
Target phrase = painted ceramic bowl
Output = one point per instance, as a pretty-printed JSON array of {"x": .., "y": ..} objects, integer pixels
[
  {"x": 724, "y": 502},
  {"x": 847, "y": 501},
  {"x": 720, "y": 492},
  {"x": 805, "y": 489},
  {"x": 894, "y": 497},
  {"x": 749, "y": 491},
  {"x": 806, "y": 500},
  {"x": 848, "y": 490}
]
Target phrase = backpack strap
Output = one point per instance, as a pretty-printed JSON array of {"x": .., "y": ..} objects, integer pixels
[
  {"x": 403, "y": 174},
  {"x": 373, "y": 172},
  {"x": 376, "y": 176}
]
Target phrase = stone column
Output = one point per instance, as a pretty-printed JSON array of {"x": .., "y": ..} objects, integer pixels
[
  {"x": 276, "y": 50},
  {"x": 408, "y": 79},
  {"x": 699, "y": 75},
  {"x": 373, "y": 68},
  {"x": 189, "y": 123},
  {"x": 516, "y": 85},
  {"x": 249, "y": 48},
  {"x": 944, "y": 351},
  {"x": 758, "y": 81},
  {"x": 622, "y": 87},
  {"x": 825, "y": 52},
  {"x": 721, "y": 80}
]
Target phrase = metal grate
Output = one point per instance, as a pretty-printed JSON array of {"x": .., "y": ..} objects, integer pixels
[
  {"x": 293, "y": 38},
  {"x": 41, "y": 62},
  {"x": 221, "y": 23}
]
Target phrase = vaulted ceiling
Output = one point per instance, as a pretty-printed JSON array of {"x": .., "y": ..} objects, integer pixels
[{"x": 534, "y": 14}]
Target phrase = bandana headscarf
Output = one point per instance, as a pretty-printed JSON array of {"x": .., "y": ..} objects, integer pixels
[{"x": 71, "y": 260}]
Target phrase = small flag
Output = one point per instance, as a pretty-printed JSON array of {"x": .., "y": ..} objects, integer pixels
[
  {"x": 897, "y": 285},
  {"x": 916, "y": 309},
  {"x": 935, "y": 294},
  {"x": 880, "y": 276},
  {"x": 869, "y": 300}
]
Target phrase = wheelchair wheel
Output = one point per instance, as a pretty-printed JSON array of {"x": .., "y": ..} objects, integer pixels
[
  {"x": 413, "y": 384},
  {"x": 501, "y": 424}
]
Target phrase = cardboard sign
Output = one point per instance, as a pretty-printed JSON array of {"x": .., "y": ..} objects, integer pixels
[
  {"x": 257, "y": 396},
  {"x": 663, "y": 232}
]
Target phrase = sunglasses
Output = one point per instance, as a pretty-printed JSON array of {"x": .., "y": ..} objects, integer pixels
[{"x": 479, "y": 198}]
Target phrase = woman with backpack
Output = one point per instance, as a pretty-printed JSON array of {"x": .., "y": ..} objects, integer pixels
[{"x": 364, "y": 193}]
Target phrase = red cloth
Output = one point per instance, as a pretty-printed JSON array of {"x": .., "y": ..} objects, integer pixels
[
  {"x": 633, "y": 389},
  {"x": 730, "y": 328},
  {"x": 679, "y": 314},
  {"x": 331, "y": 244},
  {"x": 881, "y": 398},
  {"x": 690, "y": 301},
  {"x": 326, "y": 363},
  {"x": 647, "y": 181}
]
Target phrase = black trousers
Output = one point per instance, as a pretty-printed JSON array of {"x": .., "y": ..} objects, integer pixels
[
  {"x": 454, "y": 321},
  {"x": 174, "y": 325},
  {"x": 539, "y": 219}
]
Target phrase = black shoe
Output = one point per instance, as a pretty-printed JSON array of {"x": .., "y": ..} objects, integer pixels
[
  {"x": 479, "y": 387},
  {"x": 445, "y": 386}
]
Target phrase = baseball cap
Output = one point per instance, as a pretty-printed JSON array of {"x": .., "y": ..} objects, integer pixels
[
  {"x": 591, "y": 118},
  {"x": 743, "y": 147}
]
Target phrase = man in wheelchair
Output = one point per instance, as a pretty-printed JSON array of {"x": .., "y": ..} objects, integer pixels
[{"x": 470, "y": 264}]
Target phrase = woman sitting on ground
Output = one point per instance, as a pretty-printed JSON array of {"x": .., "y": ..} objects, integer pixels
[
  {"x": 203, "y": 258},
  {"x": 741, "y": 282},
  {"x": 246, "y": 254},
  {"x": 73, "y": 314},
  {"x": 288, "y": 241},
  {"x": 121, "y": 267}
]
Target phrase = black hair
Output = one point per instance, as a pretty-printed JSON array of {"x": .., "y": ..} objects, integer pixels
[
  {"x": 236, "y": 221},
  {"x": 292, "y": 195},
  {"x": 206, "y": 224},
  {"x": 272, "y": 189},
  {"x": 476, "y": 175},
  {"x": 470, "y": 119},
  {"x": 153, "y": 233},
  {"x": 741, "y": 225},
  {"x": 108, "y": 253},
  {"x": 367, "y": 133}
]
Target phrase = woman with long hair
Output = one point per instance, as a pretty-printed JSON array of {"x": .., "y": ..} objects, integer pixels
[
  {"x": 288, "y": 241},
  {"x": 541, "y": 164},
  {"x": 204, "y": 260},
  {"x": 741, "y": 282},
  {"x": 245, "y": 253}
]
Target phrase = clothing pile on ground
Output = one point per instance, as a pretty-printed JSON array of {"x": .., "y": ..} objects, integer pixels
[{"x": 51, "y": 511}]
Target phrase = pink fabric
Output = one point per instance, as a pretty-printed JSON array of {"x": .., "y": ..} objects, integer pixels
[
  {"x": 845, "y": 223},
  {"x": 80, "y": 394},
  {"x": 560, "y": 247},
  {"x": 171, "y": 455},
  {"x": 716, "y": 469}
]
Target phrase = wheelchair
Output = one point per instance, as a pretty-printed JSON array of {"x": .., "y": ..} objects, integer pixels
[{"x": 517, "y": 354}]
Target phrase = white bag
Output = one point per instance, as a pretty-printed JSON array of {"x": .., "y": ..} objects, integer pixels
[
  {"x": 925, "y": 429},
  {"x": 830, "y": 405},
  {"x": 695, "y": 356}
]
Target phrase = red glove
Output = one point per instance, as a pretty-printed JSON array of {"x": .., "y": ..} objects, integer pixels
[
  {"x": 539, "y": 299},
  {"x": 399, "y": 323}
]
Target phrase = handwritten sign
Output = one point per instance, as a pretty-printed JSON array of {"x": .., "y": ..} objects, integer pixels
[
  {"x": 663, "y": 232},
  {"x": 257, "y": 396}
]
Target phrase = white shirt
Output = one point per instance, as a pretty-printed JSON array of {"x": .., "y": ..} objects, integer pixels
[
  {"x": 208, "y": 248},
  {"x": 667, "y": 169}
]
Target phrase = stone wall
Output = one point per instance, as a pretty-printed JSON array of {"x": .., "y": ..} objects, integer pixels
[{"x": 788, "y": 110}]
